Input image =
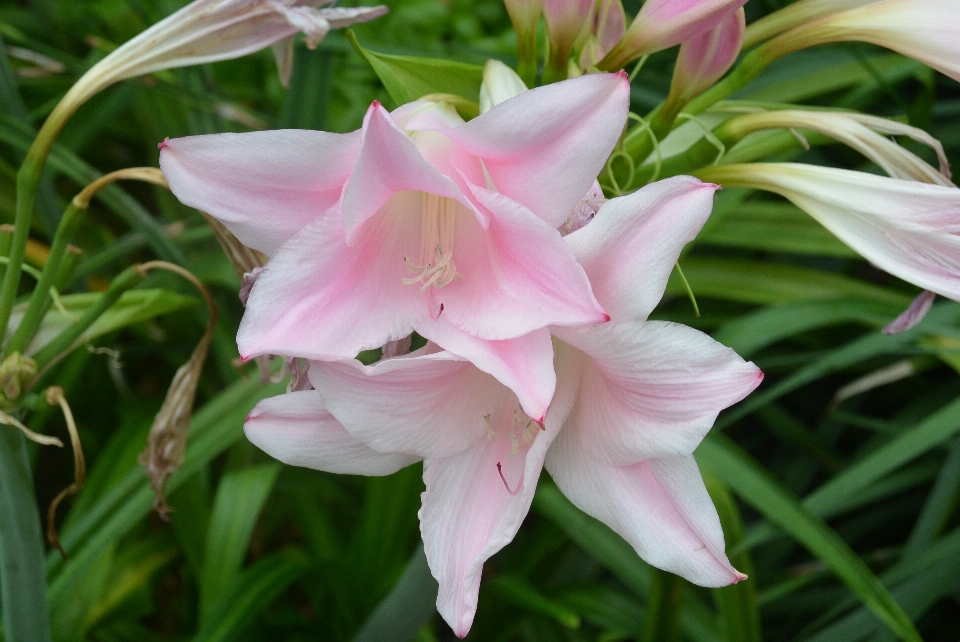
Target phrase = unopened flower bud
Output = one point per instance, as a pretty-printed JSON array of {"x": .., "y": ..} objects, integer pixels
[
  {"x": 567, "y": 21},
  {"x": 500, "y": 83},
  {"x": 665, "y": 23},
  {"x": 705, "y": 58}
]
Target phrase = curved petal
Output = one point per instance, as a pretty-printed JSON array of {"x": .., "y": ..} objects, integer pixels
[
  {"x": 388, "y": 162},
  {"x": 517, "y": 277},
  {"x": 318, "y": 298},
  {"x": 427, "y": 405},
  {"x": 472, "y": 507},
  {"x": 264, "y": 186},
  {"x": 629, "y": 249},
  {"x": 523, "y": 364},
  {"x": 660, "y": 506},
  {"x": 545, "y": 147},
  {"x": 296, "y": 429},
  {"x": 907, "y": 228},
  {"x": 651, "y": 389}
]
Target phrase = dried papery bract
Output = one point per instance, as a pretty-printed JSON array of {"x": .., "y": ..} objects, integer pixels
[
  {"x": 167, "y": 441},
  {"x": 704, "y": 59},
  {"x": 55, "y": 397},
  {"x": 245, "y": 260},
  {"x": 16, "y": 372}
]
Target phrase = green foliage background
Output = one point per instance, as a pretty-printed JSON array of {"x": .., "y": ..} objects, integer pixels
[{"x": 260, "y": 551}]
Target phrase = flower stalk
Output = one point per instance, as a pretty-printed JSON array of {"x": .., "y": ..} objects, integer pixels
[{"x": 52, "y": 270}]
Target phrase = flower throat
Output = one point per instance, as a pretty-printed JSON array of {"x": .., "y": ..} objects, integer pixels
[{"x": 437, "y": 230}]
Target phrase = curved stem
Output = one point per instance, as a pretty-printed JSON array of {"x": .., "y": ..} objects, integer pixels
[
  {"x": 126, "y": 280},
  {"x": 39, "y": 301}
]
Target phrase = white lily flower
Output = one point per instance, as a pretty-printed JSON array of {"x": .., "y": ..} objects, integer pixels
[
  {"x": 909, "y": 229},
  {"x": 925, "y": 30}
]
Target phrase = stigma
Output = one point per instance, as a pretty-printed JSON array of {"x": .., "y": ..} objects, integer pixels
[{"x": 438, "y": 218}]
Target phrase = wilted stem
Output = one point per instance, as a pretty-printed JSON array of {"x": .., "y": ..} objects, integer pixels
[
  {"x": 167, "y": 441},
  {"x": 55, "y": 397}
]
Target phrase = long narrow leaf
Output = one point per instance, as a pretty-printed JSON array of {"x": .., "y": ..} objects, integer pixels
[{"x": 758, "y": 488}]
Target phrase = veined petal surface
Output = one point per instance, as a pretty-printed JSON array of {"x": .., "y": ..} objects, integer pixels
[
  {"x": 297, "y": 429},
  {"x": 630, "y": 247},
  {"x": 264, "y": 186},
  {"x": 650, "y": 389},
  {"x": 545, "y": 147}
]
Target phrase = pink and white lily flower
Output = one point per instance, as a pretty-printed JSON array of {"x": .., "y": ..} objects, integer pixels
[
  {"x": 416, "y": 222},
  {"x": 634, "y": 399}
]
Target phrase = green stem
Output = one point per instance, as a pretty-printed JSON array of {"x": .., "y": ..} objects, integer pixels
[
  {"x": 126, "y": 280},
  {"x": 557, "y": 65},
  {"x": 527, "y": 50},
  {"x": 6, "y": 240},
  {"x": 28, "y": 181},
  {"x": 663, "y": 613},
  {"x": 40, "y": 300},
  {"x": 23, "y": 586},
  {"x": 68, "y": 268}
]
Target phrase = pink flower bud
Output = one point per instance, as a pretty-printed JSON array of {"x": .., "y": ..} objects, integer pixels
[
  {"x": 567, "y": 21},
  {"x": 665, "y": 23},
  {"x": 704, "y": 59}
]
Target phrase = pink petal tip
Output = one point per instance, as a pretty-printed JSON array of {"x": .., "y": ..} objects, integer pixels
[
  {"x": 623, "y": 74},
  {"x": 163, "y": 143}
]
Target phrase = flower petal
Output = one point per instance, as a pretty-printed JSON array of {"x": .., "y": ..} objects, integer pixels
[
  {"x": 388, "y": 162},
  {"x": 651, "y": 389},
  {"x": 427, "y": 405},
  {"x": 522, "y": 140},
  {"x": 660, "y": 506},
  {"x": 523, "y": 364},
  {"x": 629, "y": 249},
  {"x": 907, "y": 228},
  {"x": 264, "y": 186},
  {"x": 517, "y": 277},
  {"x": 318, "y": 298},
  {"x": 296, "y": 429},
  {"x": 472, "y": 507}
]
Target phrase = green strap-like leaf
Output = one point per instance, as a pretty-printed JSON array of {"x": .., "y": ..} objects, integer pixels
[
  {"x": 236, "y": 509},
  {"x": 757, "y": 487},
  {"x": 408, "y": 78},
  {"x": 22, "y": 581},
  {"x": 252, "y": 594},
  {"x": 407, "y": 607}
]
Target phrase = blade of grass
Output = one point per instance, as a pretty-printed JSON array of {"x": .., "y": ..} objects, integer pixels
[
  {"x": 407, "y": 607},
  {"x": 22, "y": 582},
  {"x": 754, "y": 485}
]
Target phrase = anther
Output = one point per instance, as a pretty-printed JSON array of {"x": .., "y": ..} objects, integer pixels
[{"x": 514, "y": 445}]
